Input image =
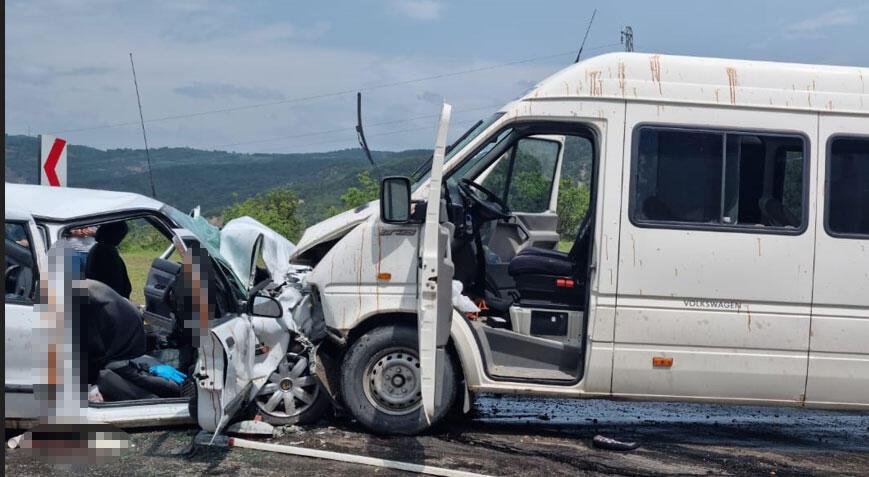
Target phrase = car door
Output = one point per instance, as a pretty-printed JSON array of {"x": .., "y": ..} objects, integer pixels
[
  {"x": 838, "y": 351},
  {"x": 435, "y": 279},
  {"x": 225, "y": 364},
  {"x": 25, "y": 257}
]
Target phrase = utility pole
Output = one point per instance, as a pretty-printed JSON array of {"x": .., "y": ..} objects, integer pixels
[{"x": 628, "y": 38}]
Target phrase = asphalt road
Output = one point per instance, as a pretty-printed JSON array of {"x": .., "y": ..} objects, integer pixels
[{"x": 518, "y": 436}]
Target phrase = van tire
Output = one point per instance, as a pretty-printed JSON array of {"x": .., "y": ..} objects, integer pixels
[{"x": 399, "y": 339}]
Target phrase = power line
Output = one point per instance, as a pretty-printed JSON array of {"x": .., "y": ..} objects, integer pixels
[
  {"x": 384, "y": 133},
  {"x": 328, "y": 94},
  {"x": 459, "y": 124},
  {"x": 339, "y": 130}
]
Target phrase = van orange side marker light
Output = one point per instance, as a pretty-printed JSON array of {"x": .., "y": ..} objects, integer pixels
[
  {"x": 384, "y": 276},
  {"x": 662, "y": 362}
]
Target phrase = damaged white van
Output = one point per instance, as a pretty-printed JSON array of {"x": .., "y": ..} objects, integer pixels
[{"x": 722, "y": 254}]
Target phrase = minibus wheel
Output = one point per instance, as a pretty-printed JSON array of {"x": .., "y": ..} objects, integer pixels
[{"x": 380, "y": 382}]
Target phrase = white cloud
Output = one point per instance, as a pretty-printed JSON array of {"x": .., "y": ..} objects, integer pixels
[
  {"x": 419, "y": 9},
  {"x": 208, "y": 90},
  {"x": 55, "y": 82},
  {"x": 835, "y": 18}
]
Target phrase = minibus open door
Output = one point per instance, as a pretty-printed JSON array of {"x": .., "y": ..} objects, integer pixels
[{"x": 435, "y": 280}]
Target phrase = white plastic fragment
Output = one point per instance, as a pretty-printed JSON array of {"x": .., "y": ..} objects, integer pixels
[
  {"x": 252, "y": 428},
  {"x": 14, "y": 442},
  {"x": 462, "y": 302}
]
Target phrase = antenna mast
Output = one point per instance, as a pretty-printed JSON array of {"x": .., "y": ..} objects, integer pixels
[
  {"x": 586, "y": 35},
  {"x": 142, "y": 121}
]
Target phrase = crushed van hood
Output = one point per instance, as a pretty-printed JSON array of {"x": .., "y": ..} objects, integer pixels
[
  {"x": 336, "y": 226},
  {"x": 238, "y": 240}
]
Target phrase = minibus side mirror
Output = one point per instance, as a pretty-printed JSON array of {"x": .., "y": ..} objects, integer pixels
[{"x": 395, "y": 200}]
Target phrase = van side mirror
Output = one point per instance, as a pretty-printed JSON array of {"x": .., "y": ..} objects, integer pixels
[
  {"x": 395, "y": 200},
  {"x": 266, "y": 306}
]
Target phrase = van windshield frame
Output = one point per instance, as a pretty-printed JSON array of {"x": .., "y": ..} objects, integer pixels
[{"x": 421, "y": 175}]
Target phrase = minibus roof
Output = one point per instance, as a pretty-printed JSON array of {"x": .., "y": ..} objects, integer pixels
[{"x": 714, "y": 81}]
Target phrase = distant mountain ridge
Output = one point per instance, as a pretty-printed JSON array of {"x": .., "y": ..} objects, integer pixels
[{"x": 186, "y": 177}]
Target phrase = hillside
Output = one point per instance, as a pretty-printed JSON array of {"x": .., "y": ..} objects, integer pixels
[{"x": 187, "y": 177}]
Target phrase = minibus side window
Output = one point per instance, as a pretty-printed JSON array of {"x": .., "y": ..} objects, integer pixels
[
  {"x": 679, "y": 176},
  {"x": 523, "y": 175},
  {"x": 848, "y": 187},
  {"x": 574, "y": 189},
  {"x": 718, "y": 179}
]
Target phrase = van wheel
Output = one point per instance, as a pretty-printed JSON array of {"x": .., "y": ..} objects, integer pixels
[
  {"x": 380, "y": 382},
  {"x": 292, "y": 394}
]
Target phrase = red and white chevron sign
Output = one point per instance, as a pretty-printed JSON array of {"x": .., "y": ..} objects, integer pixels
[{"x": 52, "y": 161}]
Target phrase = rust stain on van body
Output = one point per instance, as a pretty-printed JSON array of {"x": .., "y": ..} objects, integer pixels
[
  {"x": 595, "y": 84},
  {"x": 733, "y": 82},
  {"x": 655, "y": 67},
  {"x": 622, "y": 77}
]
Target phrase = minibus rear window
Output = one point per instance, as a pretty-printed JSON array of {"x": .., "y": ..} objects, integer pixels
[
  {"x": 718, "y": 179},
  {"x": 848, "y": 187}
]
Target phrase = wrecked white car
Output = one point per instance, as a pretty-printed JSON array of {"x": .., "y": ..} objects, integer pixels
[{"x": 258, "y": 315}]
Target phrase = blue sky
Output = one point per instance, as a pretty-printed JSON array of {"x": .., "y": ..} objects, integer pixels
[{"x": 67, "y": 64}]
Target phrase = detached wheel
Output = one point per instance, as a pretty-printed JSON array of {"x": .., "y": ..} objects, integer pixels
[
  {"x": 292, "y": 395},
  {"x": 380, "y": 382}
]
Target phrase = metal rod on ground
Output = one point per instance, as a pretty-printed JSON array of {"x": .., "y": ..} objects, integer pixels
[
  {"x": 588, "y": 29},
  {"x": 142, "y": 121},
  {"x": 351, "y": 458}
]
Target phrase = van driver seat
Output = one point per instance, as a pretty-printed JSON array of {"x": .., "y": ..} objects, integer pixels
[{"x": 536, "y": 270}]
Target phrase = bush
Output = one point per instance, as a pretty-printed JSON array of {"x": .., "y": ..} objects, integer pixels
[
  {"x": 573, "y": 200},
  {"x": 276, "y": 208},
  {"x": 367, "y": 191}
]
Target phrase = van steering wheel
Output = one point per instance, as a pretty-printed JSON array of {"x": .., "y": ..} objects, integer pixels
[{"x": 492, "y": 207}]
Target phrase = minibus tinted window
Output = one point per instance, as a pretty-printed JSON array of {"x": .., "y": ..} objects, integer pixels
[
  {"x": 718, "y": 178},
  {"x": 848, "y": 187},
  {"x": 679, "y": 176}
]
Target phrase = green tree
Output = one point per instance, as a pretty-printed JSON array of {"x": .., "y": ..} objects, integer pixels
[
  {"x": 573, "y": 200},
  {"x": 367, "y": 191},
  {"x": 143, "y": 236},
  {"x": 276, "y": 208}
]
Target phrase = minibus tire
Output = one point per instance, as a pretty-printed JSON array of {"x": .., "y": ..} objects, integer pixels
[{"x": 353, "y": 376}]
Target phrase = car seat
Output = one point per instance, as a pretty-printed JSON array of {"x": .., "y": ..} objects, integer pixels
[{"x": 128, "y": 380}]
